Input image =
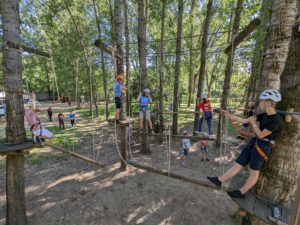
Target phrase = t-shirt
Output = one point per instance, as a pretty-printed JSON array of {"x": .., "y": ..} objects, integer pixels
[
  {"x": 118, "y": 89},
  {"x": 31, "y": 117},
  {"x": 205, "y": 106},
  {"x": 186, "y": 143},
  {"x": 250, "y": 112},
  {"x": 144, "y": 102},
  {"x": 72, "y": 116},
  {"x": 60, "y": 116},
  {"x": 271, "y": 123}
]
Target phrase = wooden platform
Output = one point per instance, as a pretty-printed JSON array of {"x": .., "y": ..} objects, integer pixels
[
  {"x": 9, "y": 148},
  {"x": 258, "y": 206}
]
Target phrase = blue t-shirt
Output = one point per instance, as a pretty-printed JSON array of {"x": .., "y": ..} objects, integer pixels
[
  {"x": 72, "y": 116},
  {"x": 144, "y": 102},
  {"x": 118, "y": 89}
]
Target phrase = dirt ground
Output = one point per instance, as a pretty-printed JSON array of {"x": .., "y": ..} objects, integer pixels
[{"x": 61, "y": 189}]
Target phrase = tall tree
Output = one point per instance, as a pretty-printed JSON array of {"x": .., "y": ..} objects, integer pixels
[
  {"x": 279, "y": 177},
  {"x": 127, "y": 58},
  {"x": 142, "y": 49},
  {"x": 161, "y": 68},
  {"x": 229, "y": 65},
  {"x": 15, "y": 130},
  {"x": 191, "y": 71},
  {"x": 203, "y": 56},
  {"x": 177, "y": 67},
  {"x": 104, "y": 74},
  {"x": 118, "y": 34}
]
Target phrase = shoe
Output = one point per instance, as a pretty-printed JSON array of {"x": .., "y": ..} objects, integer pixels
[
  {"x": 184, "y": 164},
  {"x": 141, "y": 130},
  {"x": 236, "y": 194},
  {"x": 215, "y": 180},
  {"x": 212, "y": 136},
  {"x": 202, "y": 159},
  {"x": 34, "y": 140},
  {"x": 118, "y": 122},
  {"x": 207, "y": 160},
  {"x": 152, "y": 131}
]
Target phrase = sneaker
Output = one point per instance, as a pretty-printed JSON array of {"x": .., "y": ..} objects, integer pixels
[
  {"x": 35, "y": 140},
  {"x": 152, "y": 131},
  {"x": 207, "y": 159},
  {"x": 202, "y": 159},
  {"x": 118, "y": 122},
  {"x": 215, "y": 180},
  {"x": 212, "y": 136},
  {"x": 236, "y": 194},
  {"x": 184, "y": 164}
]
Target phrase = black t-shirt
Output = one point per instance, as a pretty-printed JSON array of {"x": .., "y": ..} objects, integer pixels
[
  {"x": 271, "y": 123},
  {"x": 250, "y": 112}
]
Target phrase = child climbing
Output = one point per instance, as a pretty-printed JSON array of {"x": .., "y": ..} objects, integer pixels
[
  {"x": 205, "y": 106},
  {"x": 119, "y": 90},
  {"x": 61, "y": 120},
  {"x": 72, "y": 118},
  {"x": 186, "y": 145},
  {"x": 259, "y": 147},
  {"x": 38, "y": 132},
  {"x": 145, "y": 99}
]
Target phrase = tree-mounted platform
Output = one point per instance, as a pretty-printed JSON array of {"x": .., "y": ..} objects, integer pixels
[
  {"x": 16, "y": 148},
  {"x": 257, "y": 206}
]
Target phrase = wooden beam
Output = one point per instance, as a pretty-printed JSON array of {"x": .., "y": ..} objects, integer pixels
[
  {"x": 243, "y": 34},
  {"x": 75, "y": 154},
  {"x": 27, "y": 49},
  {"x": 101, "y": 45}
]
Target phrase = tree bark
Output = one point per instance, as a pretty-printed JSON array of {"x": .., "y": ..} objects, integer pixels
[
  {"x": 177, "y": 67},
  {"x": 282, "y": 172},
  {"x": 229, "y": 65},
  {"x": 142, "y": 49},
  {"x": 202, "y": 68},
  {"x": 15, "y": 130},
  {"x": 118, "y": 34},
  {"x": 161, "y": 68},
  {"x": 191, "y": 71},
  {"x": 277, "y": 43}
]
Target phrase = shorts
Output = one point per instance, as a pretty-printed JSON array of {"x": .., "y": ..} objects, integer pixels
[
  {"x": 185, "y": 152},
  {"x": 204, "y": 150},
  {"x": 118, "y": 102},
  {"x": 250, "y": 155},
  {"x": 146, "y": 113}
]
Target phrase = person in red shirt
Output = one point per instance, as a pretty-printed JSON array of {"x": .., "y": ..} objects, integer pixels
[{"x": 205, "y": 106}]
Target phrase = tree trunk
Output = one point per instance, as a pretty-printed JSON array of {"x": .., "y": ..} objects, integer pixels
[
  {"x": 142, "y": 49},
  {"x": 191, "y": 71},
  {"x": 15, "y": 190},
  {"x": 258, "y": 52},
  {"x": 229, "y": 65},
  {"x": 128, "y": 90},
  {"x": 101, "y": 54},
  {"x": 277, "y": 43},
  {"x": 202, "y": 68},
  {"x": 15, "y": 130},
  {"x": 279, "y": 177},
  {"x": 177, "y": 67},
  {"x": 118, "y": 33},
  {"x": 161, "y": 68}
]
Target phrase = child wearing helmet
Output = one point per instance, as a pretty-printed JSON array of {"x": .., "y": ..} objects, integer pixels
[
  {"x": 145, "y": 99},
  {"x": 205, "y": 106},
  {"x": 119, "y": 90},
  {"x": 258, "y": 149}
]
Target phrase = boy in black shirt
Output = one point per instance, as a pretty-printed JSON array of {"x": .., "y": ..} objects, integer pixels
[{"x": 259, "y": 147}]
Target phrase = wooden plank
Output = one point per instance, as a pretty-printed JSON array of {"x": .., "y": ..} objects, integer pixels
[
  {"x": 9, "y": 148},
  {"x": 101, "y": 45},
  {"x": 27, "y": 49}
]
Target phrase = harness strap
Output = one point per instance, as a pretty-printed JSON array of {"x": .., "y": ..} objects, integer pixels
[{"x": 261, "y": 152}]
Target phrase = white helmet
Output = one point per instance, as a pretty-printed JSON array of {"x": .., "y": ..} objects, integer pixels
[
  {"x": 184, "y": 132},
  {"x": 146, "y": 90},
  {"x": 272, "y": 94},
  {"x": 204, "y": 95}
]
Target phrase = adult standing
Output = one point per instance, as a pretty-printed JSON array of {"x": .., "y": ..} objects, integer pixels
[{"x": 205, "y": 106}]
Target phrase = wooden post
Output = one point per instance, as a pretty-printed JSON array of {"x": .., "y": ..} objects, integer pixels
[
  {"x": 124, "y": 145},
  {"x": 15, "y": 190}
]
